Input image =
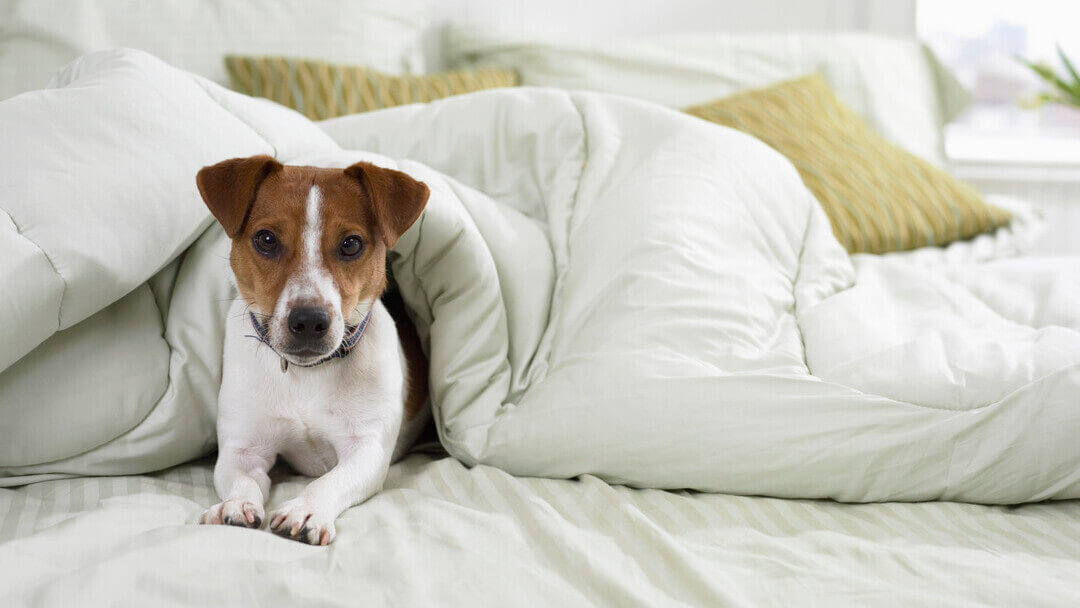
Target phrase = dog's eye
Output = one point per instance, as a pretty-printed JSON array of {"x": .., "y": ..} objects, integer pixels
[
  {"x": 266, "y": 242},
  {"x": 351, "y": 246}
]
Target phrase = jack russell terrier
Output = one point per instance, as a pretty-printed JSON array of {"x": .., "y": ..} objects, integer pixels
[{"x": 316, "y": 368}]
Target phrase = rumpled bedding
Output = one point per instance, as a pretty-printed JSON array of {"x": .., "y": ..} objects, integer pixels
[
  {"x": 604, "y": 287},
  {"x": 679, "y": 315},
  {"x": 442, "y": 534}
]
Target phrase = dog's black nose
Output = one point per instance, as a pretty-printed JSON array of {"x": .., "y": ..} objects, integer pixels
[{"x": 309, "y": 323}]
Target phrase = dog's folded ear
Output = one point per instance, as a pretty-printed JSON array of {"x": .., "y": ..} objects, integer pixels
[
  {"x": 229, "y": 188},
  {"x": 396, "y": 198}
]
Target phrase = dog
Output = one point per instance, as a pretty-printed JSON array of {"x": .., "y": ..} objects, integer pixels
[{"x": 317, "y": 369}]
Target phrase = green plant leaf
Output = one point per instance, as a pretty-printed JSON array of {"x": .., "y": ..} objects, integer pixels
[
  {"x": 1032, "y": 102},
  {"x": 1047, "y": 74},
  {"x": 1074, "y": 96},
  {"x": 1069, "y": 66},
  {"x": 1041, "y": 69}
]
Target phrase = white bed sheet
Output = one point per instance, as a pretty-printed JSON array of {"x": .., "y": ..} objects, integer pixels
[{"x": 442, "y": 535}]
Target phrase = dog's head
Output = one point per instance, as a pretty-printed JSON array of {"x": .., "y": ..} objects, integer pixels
[{"x": 309, "y": 245}]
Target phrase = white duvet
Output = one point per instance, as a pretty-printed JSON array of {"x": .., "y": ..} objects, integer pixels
[{"x": 604, "y": 287}]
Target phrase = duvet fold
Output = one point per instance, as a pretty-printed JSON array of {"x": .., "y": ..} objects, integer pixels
[{"x": 603, "y": 287}]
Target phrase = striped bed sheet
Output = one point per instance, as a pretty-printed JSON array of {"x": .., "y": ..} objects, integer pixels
[{"x": 442, "y": 534}]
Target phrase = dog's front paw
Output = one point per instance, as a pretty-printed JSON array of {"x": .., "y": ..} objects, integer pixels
[
  {"x": 234, "y": 513},
  {"x": 298, "y": 520}
]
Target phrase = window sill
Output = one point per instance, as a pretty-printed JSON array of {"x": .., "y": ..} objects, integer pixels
[{"x": 1013, "y": 154}]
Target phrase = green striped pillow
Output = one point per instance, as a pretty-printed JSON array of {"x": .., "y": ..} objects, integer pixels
[
  {"x": 321, "y": 90},
  {"x": 878, "y": 197}
]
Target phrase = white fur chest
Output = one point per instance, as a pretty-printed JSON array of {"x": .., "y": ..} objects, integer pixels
[{"x": 311, "y": 416}]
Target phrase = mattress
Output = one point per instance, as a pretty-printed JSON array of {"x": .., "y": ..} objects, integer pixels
[{"x": 443, "y": 534}]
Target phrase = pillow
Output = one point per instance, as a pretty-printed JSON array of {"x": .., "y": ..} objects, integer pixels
[
  {"x": 878, "y": 197},
  {"x": 38, "y": 37},
  {"x": 321, "y": 90},
  {"x": 894, "y": 84}
]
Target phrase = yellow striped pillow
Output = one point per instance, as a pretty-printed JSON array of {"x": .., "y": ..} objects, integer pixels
[
  {"x": 321, "y": 90},
  {"x": 878, "y": 197}
]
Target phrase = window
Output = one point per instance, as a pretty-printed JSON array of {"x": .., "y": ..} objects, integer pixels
[{"x": 979, "y": 41}]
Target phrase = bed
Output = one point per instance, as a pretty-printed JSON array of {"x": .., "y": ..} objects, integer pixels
[
  {"x": 442, "y": 533},
  {"x": 818, "y": 464}
]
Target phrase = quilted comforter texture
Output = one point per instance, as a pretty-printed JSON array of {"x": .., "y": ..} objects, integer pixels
[{"x": 603, "y": 286}]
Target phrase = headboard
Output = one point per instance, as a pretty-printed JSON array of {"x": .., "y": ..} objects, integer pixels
[
  {"x": 593, "y": 19},
  {"x": 37, "y": 37}
]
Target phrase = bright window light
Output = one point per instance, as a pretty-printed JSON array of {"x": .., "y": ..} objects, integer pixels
[{"x": 979, "y": 41}]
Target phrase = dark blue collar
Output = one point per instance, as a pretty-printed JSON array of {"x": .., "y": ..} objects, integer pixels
[{"x": 352, "y": 337}]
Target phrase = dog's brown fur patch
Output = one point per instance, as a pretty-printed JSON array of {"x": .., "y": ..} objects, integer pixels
[
  {"x": 416, "y": 392},
  {"x": 248, "y": 195}
]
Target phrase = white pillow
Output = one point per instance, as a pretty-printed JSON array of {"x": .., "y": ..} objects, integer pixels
[
  {"x": 895, "y": 84},
  {"x": 39, "y": 37}
]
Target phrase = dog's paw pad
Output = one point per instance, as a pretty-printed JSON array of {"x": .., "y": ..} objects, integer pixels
[
  {"x": 297, "y": 520},
  {"x": 233, "y": 513}
]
